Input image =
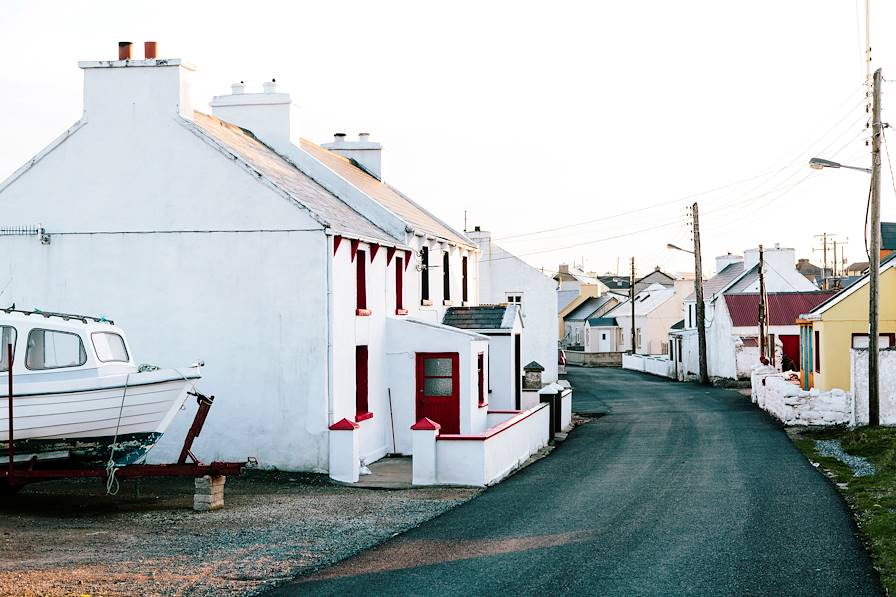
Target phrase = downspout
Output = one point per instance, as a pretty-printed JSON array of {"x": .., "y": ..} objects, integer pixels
[{"x": 328, "y": 258}]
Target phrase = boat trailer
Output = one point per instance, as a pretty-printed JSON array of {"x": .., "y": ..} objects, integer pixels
[{"x": 209, "y": 477}]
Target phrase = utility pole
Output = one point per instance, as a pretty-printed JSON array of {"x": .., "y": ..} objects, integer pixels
[
  {"x": 764, "y": 349},
  {"x": 698, "y": 290},
  {"x": 631, "y": 294},
  {"x": 834, "y": 268},
  {"x": 874, "y": 258}
]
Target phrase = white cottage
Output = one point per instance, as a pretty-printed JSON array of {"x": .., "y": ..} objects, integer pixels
[{"x": 313, "y": 290}]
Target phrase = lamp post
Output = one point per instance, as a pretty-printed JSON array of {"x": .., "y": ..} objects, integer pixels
[
  {"x": 874, "y": 253},
  {"x": 698, "y": 291}
]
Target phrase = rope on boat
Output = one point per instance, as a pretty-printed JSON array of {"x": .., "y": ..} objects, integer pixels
[{"x": 112, "y": 485}]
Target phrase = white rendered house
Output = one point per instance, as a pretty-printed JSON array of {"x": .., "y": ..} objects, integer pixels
[
  {"x": 313, "y": 291},
  {"x": 657, "y": 308},
  {"x": 505, "y": 278}
]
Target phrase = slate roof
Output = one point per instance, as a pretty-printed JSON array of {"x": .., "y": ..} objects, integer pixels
[
  {"x": 602, "y": 322},
  {"x": 290, "y": 180},
  {"x": 392, "y": 199},
  {"x": 564, "y": 297},
  {"x": 784, "y": 308},
  {"x": 645, "y": 301},
  {"x": 858, "y": 266},
  {"x": 615, "y": 281},
  {"x": 481, "y": 317},
  {"x": 678, "y": 325},
  {"x": 719, "y": 281},
  {"x": 589, "y": 307}
]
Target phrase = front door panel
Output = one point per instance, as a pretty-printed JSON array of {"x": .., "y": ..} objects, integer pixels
[{"x": 438, "y": 389}]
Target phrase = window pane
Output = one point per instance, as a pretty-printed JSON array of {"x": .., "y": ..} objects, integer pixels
[
  {"x": 48, "y": 349},
  {"x": 7, "y": 336},
  {"x": 437, "y": 386},
  {"x": 860, "y": 341},
  {"x": 109, "y": 347},
  {"x": 437, "y": 366}
]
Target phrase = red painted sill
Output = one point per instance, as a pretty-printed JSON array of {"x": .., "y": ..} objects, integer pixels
[
  {"x": 483, "y": 404},
  {"x": 401, "y": 311},
  {"x": 363, "y": 417},
  {"x": 494, "y": 430},
  {"x": 363, "y": 312}
]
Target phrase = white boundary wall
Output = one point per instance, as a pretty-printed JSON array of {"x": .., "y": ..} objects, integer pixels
[
  {"x": 793, "y": 406},
  {"x": 859, "y": 382},
  {"x": 655, "y": 365},
  {"x": 480, "y": 460}
]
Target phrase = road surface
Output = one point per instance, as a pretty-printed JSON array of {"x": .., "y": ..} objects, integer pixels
[{"x": 677, "y": 490}]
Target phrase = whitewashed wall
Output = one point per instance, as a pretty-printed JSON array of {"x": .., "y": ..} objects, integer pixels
[
  {"x": 887, "y": 374},
  {"x": 793, "y": 406}
]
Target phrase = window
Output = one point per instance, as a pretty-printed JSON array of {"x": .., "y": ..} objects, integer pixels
[
  {"x": 438, "y": 377},
  {"x": 578, "y": 336},
  {"x": 638, "y": 336},
  {"x": 885, "y": 340},
  {"x": 818, "y": 352},
  {"x": 424, "y": 274},
  {"x": 49, "y": 349},
  {"x": 109, "y": 347},
  {"x": 446, "y": 276},
  {"x": 464, "y": 293},
  {"x": 480, "y": 364},
  {"x": 361, "y": 283},
  {"x": 603, "y": 336},
  {"x": 362, "y": 410},
  {"x": 7, "y": 337},
  {"x": 399, "y": 286},
  {"x": 515, "y": 298}
]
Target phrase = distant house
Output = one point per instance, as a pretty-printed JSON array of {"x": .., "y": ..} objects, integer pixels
[
  {"x": 603, "y": 334},
  {"x": 507, "y": 279},
  {"x": 616, "y": 283},
  {"x": 657, "y": 276},
  {"x": 574, "y": 322},
  {"x": 812, "y": 272},
  {"x": 575, "y": 286},
  {"x": 657, "y": 308},
  {"x": 736, "y": 275},
  {"x": 832, "y": 328}
]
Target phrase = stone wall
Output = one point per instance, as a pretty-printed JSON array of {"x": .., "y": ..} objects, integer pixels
[
  {"x": 786, "y": 402},
  {"x": 594, "y": 359},
  {"x": 859, "y": 382}
]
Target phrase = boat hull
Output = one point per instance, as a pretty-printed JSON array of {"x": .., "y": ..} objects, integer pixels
[{"x": 87, "y": 421}]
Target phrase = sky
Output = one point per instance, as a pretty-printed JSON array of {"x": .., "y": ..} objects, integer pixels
[{"x": 574, "y": 132}]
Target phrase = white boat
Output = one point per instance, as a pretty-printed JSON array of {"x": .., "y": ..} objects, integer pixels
[{"x": 77, "y": 393}]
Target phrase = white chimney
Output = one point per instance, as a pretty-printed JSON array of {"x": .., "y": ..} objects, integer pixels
[
  {"x": 129, "y": 90},
  {"x": 267, "y": 115},
  {"x": 724, "y": 261},
  {"x": 368, "y": 154}
]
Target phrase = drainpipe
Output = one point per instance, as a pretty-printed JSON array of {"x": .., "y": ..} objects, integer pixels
[{"x": 328, "y": 258}]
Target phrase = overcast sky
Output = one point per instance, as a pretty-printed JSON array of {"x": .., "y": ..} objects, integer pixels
[{"x": 534, "y": 117}]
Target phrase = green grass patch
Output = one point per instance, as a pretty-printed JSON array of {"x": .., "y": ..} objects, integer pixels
[{"x": 872, "y": 498}]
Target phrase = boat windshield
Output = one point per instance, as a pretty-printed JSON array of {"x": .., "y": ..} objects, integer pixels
[
  {"x": 7, "y": 337},
  {"x": 109, "y": 347},
  {"x": 52, "y": 349}
]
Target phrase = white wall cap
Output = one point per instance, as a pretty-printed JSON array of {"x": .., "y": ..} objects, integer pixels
[
  {"x": 135, "y": 63},
  {"x": 352, "y": 145}
]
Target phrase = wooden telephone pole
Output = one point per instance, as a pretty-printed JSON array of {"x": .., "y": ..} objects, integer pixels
[
  {"x": 631, "y": 294},
  {"x": 764, "y": 349},
  {"x": 874, "y": 258},
  {"x": 698, "y": 290}
]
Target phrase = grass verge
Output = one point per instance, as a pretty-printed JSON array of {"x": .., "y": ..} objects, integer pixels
[{"x": 872, "y": 498}]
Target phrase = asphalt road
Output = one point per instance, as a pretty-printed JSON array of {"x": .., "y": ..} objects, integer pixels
[{"x": 677, "y": 490}]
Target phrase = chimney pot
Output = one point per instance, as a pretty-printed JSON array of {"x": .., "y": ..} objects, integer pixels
[
  {"x": 238, "y": 88},
  {"x": 124, "y": 50},
  {"x": 149, "y": 50},
  {"x": 363, "y": 137},
  {"x": 476, "y": 229},
  {"x": 270, "y": 86},
  {"x": 339, "y": 137}
]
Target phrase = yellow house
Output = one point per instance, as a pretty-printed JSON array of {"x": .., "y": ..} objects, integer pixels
[{"x": 829, "y": 332}]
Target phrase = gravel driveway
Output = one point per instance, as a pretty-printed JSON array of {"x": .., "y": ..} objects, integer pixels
[{"x": 68, "y": 538}]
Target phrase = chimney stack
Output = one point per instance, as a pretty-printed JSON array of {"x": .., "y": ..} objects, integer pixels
[
  {"x": 366, "y": 153},
  {"x": 149, "y": 50},
  {"x": 124, "y": 50},
  {"x": 270, "y": 86}
]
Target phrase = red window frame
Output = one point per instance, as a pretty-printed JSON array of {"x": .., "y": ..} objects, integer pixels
[
  {"x": 362, "y": 406},
  {"x": 480, "y": 364},
  {"x": 463, "y": 273},
  {"x": 399, "y": 287},
  {"x": 361, "y": 284}
]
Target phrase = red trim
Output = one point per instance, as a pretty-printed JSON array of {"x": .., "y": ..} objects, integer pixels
[
  {"x": 361, "y": 407},
  {"x": 363, "y": 312},
  {"x": 494, "y": 430},
  {"x": 374, "y": 249},
  {"x": 407, "y": 259},
  {"x": 483, "y": 404},
  {"x": 505, "y": 412},
  {"x": 361, "y": 283},
  {"x": 444, "y": 409},
  {"x": 336, "y": 241},
  {"x": 344, "y": 425},
  {"x": 363, "y": 416},
  {"x": 425, "y": 424},
  {"x": 390, "y": 253},
  {"x": 355, "y": 242},
  {"x": 401, "y": 311}
]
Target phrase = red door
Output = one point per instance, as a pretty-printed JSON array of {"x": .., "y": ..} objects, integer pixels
[
  {"x": 438, "y": 389},
  {"x": 790, "y": 346}
]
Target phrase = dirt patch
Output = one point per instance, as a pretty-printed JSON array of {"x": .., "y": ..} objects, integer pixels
[{"x": 69, "y": 538}]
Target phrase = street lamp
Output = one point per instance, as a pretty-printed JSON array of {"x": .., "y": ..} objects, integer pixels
[
  {"x": 698, "y": 292},
  {"x": 820, "y": 164}
]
